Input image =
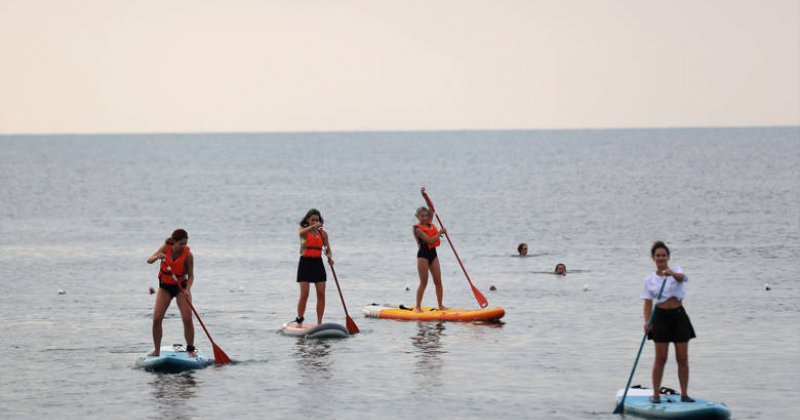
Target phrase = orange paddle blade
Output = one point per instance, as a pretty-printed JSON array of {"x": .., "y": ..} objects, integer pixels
[
  {"x": 480, "y": 297},
  {"x": 352, "y": 328},
  {"x": 220, "y": 358}
]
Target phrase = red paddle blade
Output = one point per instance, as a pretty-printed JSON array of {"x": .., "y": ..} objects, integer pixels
[
  {"x": 352, "y": 328},
  {"x": 220, "y": 358},
  {"x": 480, "y": 297}
]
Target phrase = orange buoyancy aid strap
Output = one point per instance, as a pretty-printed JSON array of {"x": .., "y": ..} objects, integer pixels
[
  {"x": 170, "y": 266},
  {"x": 312, "y": 247},
  {"x": 431, "y": 231}
]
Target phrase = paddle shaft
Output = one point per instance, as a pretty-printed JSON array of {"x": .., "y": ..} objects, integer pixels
[
  {"x": 450, "y": 242},
  {"x": 218, "y": 353},
  {"x": 339, "y": 289},
  {"x": 478, "y": 295},
  {"x": 352, "y": 328},
  {"x": 641, "y": 346},
  {"x": 202, "y": 324}
]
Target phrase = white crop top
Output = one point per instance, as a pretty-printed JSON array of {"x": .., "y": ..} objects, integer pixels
[{"x": 673, "y": 288}]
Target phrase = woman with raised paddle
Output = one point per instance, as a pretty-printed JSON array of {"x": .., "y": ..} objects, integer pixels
[
  {"x": 310, "y": 268},
  {"x": 177, "y": 262},
  {"x": 670, "y": 323},
  {"x": 428, "y": 238}
]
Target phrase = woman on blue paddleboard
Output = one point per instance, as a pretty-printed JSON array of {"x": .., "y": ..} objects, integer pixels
[
  {"x": 177, "y": 264},
  {"x": 310, "y": 268},
  {"x": 670, "y": 323},
  {"x": 427, "y": 237}
]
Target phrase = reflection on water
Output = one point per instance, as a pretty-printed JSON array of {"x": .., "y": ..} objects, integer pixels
[
  {"x": 172, "y": 392},
  {"x": 428, "y": 361},
  {"x": 313, "y": 357}
]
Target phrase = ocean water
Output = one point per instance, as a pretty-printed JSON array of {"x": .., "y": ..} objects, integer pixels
[{"x": 81, "y": 213}]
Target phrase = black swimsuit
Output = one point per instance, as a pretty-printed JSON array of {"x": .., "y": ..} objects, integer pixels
[
  {"x": 426, "y": 252},
  {"x": 172, "y": 289}
]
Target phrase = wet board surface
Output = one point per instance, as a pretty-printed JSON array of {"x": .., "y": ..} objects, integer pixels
[
  {"x": 173, "y": 359},
  {"x": 637, "y": 403},
  {"x": 325, "y": 330},
  {"x": 433, "y": 314}
]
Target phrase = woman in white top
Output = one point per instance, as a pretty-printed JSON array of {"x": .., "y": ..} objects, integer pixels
[{"x": 670, "y": 321}]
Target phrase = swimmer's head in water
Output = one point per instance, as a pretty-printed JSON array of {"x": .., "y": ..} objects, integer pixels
[
  {"x": 522, "y": 249},
  {"x": 561, "y": 269},
  {"x": 423, "y": 214}
]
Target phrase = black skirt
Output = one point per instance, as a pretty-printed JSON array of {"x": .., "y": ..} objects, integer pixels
[
  {"x": 310, "y": 270},
  {"x": 671, "y": 326}
]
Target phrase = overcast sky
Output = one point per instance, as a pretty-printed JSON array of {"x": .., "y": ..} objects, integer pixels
[{"x": 107, "y": 66}]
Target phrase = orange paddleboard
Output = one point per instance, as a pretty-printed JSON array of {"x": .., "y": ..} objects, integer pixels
[{"x": 433, "y": 314}]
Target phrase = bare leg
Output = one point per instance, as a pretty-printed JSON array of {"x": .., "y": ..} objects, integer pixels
[
  {"x": 163, "y": 299},
  {"x": 320, "y": 288},
  {"x": 184, "y": 298},
  {"x": 437, "y": 282},
  {"x": 301, "y": 304},
  {"x": 682, "y": 357},
  {"x": 422, "y": 269},
  {"x": 662, "y": 350}
]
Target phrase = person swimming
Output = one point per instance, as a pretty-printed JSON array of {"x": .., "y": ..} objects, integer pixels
[
  {"x": 561, "y": 270},
  {"x": 522, "y": 249}
]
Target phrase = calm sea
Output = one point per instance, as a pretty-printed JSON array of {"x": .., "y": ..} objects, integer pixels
[{"x": 82, "y": 213}]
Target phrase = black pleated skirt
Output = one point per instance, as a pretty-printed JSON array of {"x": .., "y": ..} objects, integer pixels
[
  {"x": 311, "y": 270},
  {"x": 671, "y": 326}
]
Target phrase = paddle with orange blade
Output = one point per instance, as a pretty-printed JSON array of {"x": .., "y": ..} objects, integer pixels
[
  {"x": 478, "y": 295},
  {"x": 352, "y": 328},
  {"x": 220, "y": 358}
]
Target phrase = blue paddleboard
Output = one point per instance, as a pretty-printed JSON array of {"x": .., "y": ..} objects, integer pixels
[
  {"x": 637, "y": 403},
  {"x": 326, "y": 330},
  {"x": 173, "y": 359}
]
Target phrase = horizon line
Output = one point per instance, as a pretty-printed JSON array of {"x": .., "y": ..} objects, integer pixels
[{"x": 475, "y": 130}]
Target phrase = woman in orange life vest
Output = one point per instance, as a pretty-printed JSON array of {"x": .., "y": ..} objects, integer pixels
[
  {"x": 427, "y": 237},
  {"x": 310, "y": 268},
  {"x": 177, "y": 262}
]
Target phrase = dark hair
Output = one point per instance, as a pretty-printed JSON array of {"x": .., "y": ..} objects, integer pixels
[
  {"x": 420, "y": 210},
  {"x": 312, "y": 212},
  {"x": 657, "y": 245},
  {"x": 177, "y": 235},
  {"x": 519, "y": 247}
]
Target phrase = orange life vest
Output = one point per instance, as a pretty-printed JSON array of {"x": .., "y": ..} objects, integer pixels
[
  {"x": 178, "y": 266},
  {"x": 312, "y": 246},
  {"x": 431, "y": 231}
]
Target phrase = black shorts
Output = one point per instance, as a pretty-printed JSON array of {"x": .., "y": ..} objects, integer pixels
[
  {"x": 427, "y": 253},
  {"x": 311, "y": 270},
  {"x": 671, "y": 326},
  {"x": 172, "y": 289}
]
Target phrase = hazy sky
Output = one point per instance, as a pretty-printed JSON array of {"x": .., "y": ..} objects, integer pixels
[{"x": 238, "y": 65}]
